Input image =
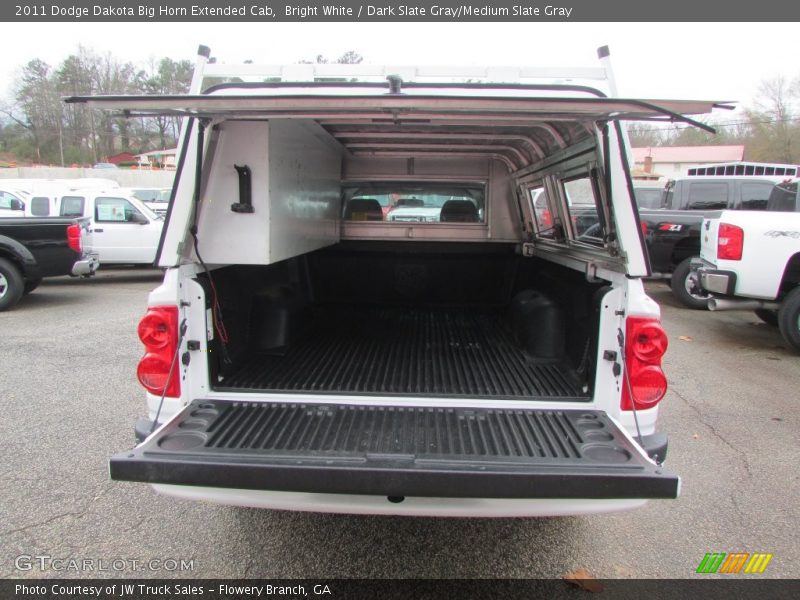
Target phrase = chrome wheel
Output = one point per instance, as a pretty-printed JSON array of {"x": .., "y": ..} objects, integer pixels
[
  {"x": 692, "y": 285},
  {"x": 3, "y": 285}
]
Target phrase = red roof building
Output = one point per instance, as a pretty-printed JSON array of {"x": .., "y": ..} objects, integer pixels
[{"x": 122, "y": 157}]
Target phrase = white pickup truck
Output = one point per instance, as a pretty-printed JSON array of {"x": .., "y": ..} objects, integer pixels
[
  {"x": 308, "y": 352},
  {"x": 750, "y": 260}
]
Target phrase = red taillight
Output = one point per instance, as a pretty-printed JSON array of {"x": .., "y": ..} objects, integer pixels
[
  {"x": 547, "y": 218},
  {"x": 158, "y": 331},
  {"x": 730, "y": 241},
  {"x": 643, "y": 225},
  {"x": 645, "y": 345},
  {"x": 74, "y": 237}
]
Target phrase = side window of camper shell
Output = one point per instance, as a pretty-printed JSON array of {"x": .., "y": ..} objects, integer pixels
[{"x": 569, "y": 205}]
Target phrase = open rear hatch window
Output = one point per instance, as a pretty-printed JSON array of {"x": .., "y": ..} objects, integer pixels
[{"x": 396, "y": 451}]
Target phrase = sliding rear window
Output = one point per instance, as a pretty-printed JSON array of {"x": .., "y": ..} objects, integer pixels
[{"x": 415, "y": 203}]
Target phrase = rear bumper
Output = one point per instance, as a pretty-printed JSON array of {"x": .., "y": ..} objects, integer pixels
[
  {"x": 715, "y": 280},
  {"x": 86, "y": 266},
  {"x": 397, "y": 451},
  {"x": 408, "y": 506}
]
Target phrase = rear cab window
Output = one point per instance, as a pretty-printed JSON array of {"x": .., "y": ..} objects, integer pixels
[
  {"x": 754, "y": 195},
  {"x": 424, "y": 203},
  {"x": 711, "y": 195},
  {"x": 783, "y": 198},
  {"x": 648, "y": 198}
]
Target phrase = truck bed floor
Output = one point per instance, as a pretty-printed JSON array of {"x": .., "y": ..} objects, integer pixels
[{"x": 409, "y": 351}]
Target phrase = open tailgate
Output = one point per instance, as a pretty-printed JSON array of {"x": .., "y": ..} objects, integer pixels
[{"x": 396, "y": 451}]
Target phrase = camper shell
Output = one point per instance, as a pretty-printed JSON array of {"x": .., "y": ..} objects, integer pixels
[{"x": 307, "y": 351}]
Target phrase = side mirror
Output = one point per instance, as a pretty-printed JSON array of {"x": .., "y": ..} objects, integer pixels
[
  {"x": 17, "y": 204},
  {"x": 139, "y": 218}
]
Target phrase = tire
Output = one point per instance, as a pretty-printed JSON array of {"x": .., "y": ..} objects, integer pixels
[
  {"x": 770, "y": 317},
  {"x": 11, "y": 284},
  {"x": 789, "y": 319},
  {"x": 685, "y": 287},
  {"x": 30, "y": 286}
]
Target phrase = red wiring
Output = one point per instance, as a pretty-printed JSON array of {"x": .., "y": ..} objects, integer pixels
[{"x": 216, "y": 313}]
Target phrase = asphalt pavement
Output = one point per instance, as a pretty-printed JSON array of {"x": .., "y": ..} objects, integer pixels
[{"x": 69, "y": 399}]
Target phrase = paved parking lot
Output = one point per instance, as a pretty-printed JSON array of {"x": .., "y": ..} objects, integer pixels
[{"x": 69, "y": 399}]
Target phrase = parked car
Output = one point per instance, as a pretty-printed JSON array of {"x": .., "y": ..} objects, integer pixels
[
  {"x": 672, "y": 233},
  {"x": 12, "y": 201},
  {"x": 32, "y": 249},
  {"x": 124, "y": 230},
  {"x": 751, "y": 261},
  {"x": 304, "y": 353},
  {"x": 104, "y": 165},
  {"x": 39, "y": 196}
]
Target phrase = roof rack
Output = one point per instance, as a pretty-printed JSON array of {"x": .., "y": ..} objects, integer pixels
[{"x": 207, "y": 67}]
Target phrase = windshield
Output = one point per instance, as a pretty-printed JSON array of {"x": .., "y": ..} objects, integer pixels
[{"x": 414, "y": 203}]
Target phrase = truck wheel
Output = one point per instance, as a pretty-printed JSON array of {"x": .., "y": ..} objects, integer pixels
[
  {"x": 30, "y": 286},
  {"x": 11, "y": 284},
  {"x": 770, "y": 317},
  {"x": 686, "y": 287},
  {"x": 789, "y": 319}
]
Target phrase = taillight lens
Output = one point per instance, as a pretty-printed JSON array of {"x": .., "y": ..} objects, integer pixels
[
  {"x": 154, "y": 329},
  {"x": 547, "y": 218},
  {"x": 74, "y": 237},
  {"x": 645, "y": 344},
  {"x": 158, "y": 331},
  {"x": 643, "y": 225},
  {"x": 730, "y": 242}
]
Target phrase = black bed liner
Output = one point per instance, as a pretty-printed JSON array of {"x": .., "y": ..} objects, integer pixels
[
  {"x": 396, "y": 451},
  {"x": 442, "y": 352}
]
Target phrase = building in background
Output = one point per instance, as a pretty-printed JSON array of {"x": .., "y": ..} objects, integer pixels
[
  {"x": 669, "y": 162},
  {"x": 158, "y": 159}
]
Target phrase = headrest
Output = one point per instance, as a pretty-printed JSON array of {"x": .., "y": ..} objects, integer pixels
[
  {"x": 459, "y": 211},
  {"x": 363, "y": 209}
]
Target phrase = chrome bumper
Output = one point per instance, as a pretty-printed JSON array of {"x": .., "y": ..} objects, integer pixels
[{"x": 86, "y": 266}]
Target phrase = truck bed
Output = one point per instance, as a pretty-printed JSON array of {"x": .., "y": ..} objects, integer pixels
[{"x": 440, "y": 351}]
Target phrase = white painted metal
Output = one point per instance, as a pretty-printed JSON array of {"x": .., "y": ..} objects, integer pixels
[
  {"x": 771, "y": 239},
  {"x": 364, "y": 72},
  {"x": 296, "y": 174}
]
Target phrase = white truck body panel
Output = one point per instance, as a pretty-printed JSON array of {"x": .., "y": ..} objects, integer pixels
[
  {"x": 296, "y": 171},
  {"x": 770, "y": 241}
]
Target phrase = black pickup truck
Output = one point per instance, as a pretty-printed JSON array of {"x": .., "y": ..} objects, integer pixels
[
  {"x": 34, "y": 248},
  {"x": 672, "y": 232}
]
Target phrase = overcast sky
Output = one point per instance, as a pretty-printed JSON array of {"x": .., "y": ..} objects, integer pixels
[{"x": 720, "y": 61}]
